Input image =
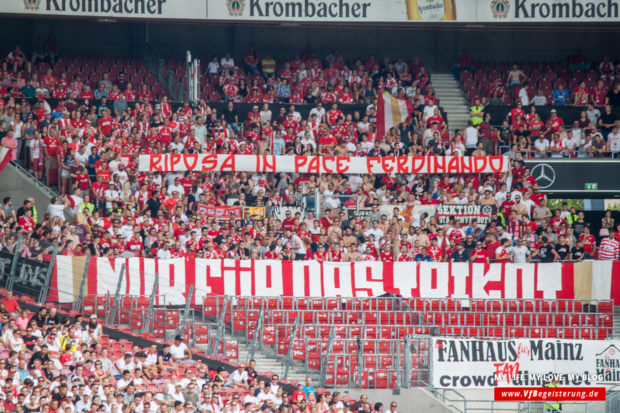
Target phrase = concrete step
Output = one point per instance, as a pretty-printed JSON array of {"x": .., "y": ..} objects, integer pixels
[
  {"x": 450, "y": 94},
  {"x": 446, "y": 76}
]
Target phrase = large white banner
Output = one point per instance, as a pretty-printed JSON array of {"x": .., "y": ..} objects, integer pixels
[
  {"x": 362, "y": 11},
  {"x": 271, "y": 278},
  {"x": 325, "y": 164},
  {"x": 475, "y": 363}
]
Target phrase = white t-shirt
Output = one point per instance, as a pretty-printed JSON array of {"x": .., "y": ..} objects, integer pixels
[
  {"x": 354, "y": 182},
  {"x": 227, "y": 63},
  {"x": 320, "y": 113},
  {"x": 539, "y": 100},
  {"x": 429, "y": 110},
  {"x": 56, "y": 211},
  {"x": 541, "y": 145},
  {"x": 614, "y": 142},
  {"x": 213, "y": 68},
  {"x": 179, "y": 188},
  {"x": 500, "y": 197},
  {"x": 178, "y": 351},
  {"x": 519, "y": 254},
  {"x": 570, "y": 144},
  {"x": 525, "y": 99},
  {"x": 265, "y": 115},
  {"x": 471, "y": 137},
  {"x": 236, "y": 377}
]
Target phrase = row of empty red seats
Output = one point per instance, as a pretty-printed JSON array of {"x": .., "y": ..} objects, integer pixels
[{"x": 213, "y": 304}]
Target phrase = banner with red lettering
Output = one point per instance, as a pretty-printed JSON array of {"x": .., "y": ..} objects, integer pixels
[
  {"x": 583, "y": 281},
  {"x": 324, "y": 164},
  {"x": 221, "y": 213}
]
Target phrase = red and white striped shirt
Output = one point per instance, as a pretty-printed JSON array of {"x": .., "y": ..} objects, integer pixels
[{"x": 609, "y": 249}]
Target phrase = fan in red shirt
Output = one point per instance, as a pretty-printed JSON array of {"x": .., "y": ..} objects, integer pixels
[
  {"x": 105, "y": 124},
  {"x": 554, "y": 122},
  {"x": 387, "y": 254},
  {"x": 599, "y": 93},
  {"x": 516, "y": 111},
  {"x": 334, "y": 114},
  {"x": 589, "y": 242},
  {"x": 26, "y": 221},
  {"x": 435, "y": 251},
  {"x": 507, "y": 205},
  {"x": 51, "y": 146},
  {"x": 298, "y": 395},
  {"x": 581, "y": 94},
  {"x": 135, "y": 245},
  {"x": 556, "y": 220},
  {"x": 479, "y": 254}
]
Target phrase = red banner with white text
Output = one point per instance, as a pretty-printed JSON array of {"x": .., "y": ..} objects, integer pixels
[
  {"x": 325, "y": 164},
  {"x": 583, "y": 281}
]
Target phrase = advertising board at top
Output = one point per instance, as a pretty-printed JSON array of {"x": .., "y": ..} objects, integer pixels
[{"x": 354, "y": 11}]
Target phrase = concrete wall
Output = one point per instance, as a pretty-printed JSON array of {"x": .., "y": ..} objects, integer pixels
[
  {"x": 19, "y": 186},
  {"x": 436, "y": 47},
  {"x": 409, "y": 400}
]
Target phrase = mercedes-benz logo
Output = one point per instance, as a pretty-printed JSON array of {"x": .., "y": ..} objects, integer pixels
[{"x": 544, "y": 175}]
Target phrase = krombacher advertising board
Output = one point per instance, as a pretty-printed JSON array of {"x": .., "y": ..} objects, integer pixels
[{"x": 354, "y": 11}]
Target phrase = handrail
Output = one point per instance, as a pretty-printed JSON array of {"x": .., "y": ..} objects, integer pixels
[
  {"x": 220, "y": 325},
  {"x": 325, "y": 358},
  {"x": 289, "y": 354},
  {"x": 79, "y": 304},
  {"x": 258, "y": 332},
  {"x": 146, "y": 325}
]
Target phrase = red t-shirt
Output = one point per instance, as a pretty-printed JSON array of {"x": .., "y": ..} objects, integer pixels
[
  {"x": 105, "y": 124},
  {"x": 51, "y": 145},
  {"x": 588, "y": 243},
  {"x": 481, "y": 256},
  {"x": 10, "y": 305},
  {"x": 434, "y": 252}
]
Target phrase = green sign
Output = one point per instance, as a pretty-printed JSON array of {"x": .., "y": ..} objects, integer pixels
[{"x": 591, "y": 186}]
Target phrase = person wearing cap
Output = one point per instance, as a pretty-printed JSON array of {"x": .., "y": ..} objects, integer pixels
[{"x": 179, "y": 350}]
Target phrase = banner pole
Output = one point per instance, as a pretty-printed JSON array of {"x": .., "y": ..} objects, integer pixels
[
  {"x": 146, "y": 325},
  {"x": 117, "y": 297},
  {"x": 11, "y": 279},
  {"x": 48, "y": 277},
  {"x": 78, "y": 305}
]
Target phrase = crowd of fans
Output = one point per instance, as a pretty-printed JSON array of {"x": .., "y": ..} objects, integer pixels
[
  {"x": 53, "y": 363},
  {"x": 595, "y": 132},
  {"x": 108, "y": 208}
]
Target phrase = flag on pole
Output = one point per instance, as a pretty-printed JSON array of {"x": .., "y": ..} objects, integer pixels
[
  {"x": 5, "y": 157},
  {"x": 391, "y": 112}
]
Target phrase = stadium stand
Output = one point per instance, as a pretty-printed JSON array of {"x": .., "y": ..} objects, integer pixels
[{"x": 79, "y": 124}]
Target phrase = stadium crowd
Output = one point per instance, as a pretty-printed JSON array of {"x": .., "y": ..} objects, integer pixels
[
  {"x": 54, "y": 363},
  {"x": 108, "y": 208}
]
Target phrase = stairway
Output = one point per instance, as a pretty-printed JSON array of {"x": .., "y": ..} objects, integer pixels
[
  {"x": 267, "y": 359},
  {"x": 452, "y": 100}
]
